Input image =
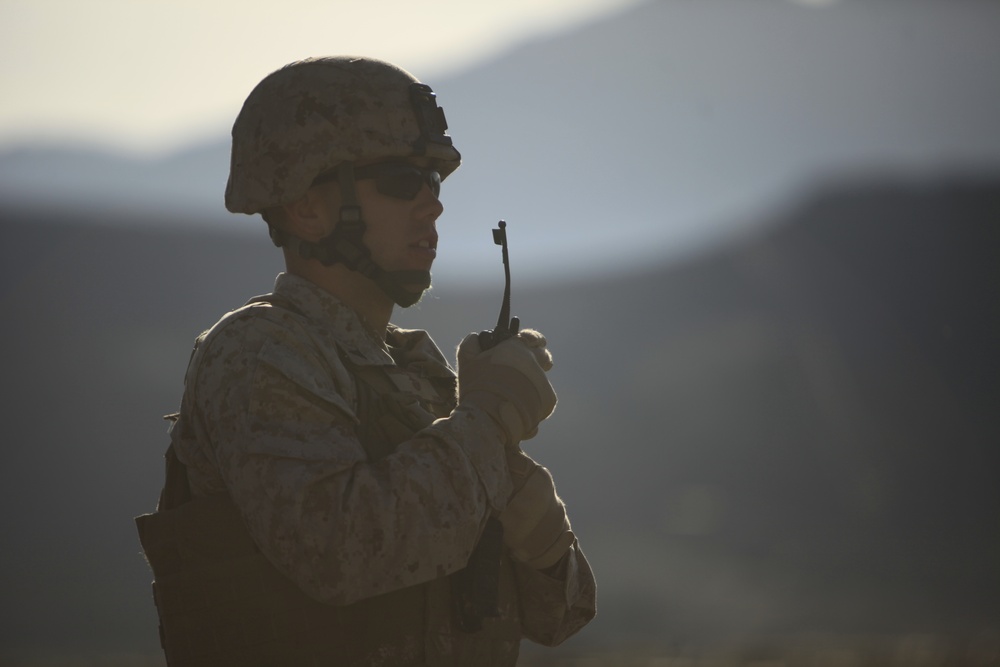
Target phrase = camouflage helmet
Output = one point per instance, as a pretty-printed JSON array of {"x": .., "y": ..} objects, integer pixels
[{"x": 307, "y": 117}]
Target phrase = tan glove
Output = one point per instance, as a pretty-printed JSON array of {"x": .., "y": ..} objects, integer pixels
[
  {"x": 536, "y": 528},
  {"x": 508, "y": 382},
  {"x": 536, "y": 342}
]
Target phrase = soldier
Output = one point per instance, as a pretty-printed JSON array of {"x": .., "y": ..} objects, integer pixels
[{"x": 327, "y": 482}]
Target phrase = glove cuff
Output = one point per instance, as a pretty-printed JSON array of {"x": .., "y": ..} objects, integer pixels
[
  {"x": 553, "y": 554},
  {"x": 536, "y": 528}
]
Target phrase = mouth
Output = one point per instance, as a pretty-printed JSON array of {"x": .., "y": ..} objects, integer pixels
[
  {"x": 423, "y": 251},
  {"x": 426, "y": 244}
]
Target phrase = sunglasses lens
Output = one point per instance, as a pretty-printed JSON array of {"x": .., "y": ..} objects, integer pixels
[
  {"x": 400, "y": 184},
  {"x": 403, "y": 181},
  {"x": 433, "y": 180},
  {"x": 400, "y": 180}
]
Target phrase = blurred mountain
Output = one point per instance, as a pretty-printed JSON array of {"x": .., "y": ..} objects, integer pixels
[
  {"x": 652, "y": 133},
  {"x": 794, "y": 434}
]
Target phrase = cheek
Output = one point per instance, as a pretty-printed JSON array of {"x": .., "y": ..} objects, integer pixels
[{"x": 384, "y": 221}]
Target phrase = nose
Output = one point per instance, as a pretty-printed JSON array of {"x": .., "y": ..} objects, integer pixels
[{"x": 428, "y": 206}]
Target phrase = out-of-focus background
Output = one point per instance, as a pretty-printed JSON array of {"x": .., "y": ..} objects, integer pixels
[{"x": 762, "y": 237}]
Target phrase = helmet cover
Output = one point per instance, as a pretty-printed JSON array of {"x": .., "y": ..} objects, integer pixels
[{"x": 307, "y": 117}]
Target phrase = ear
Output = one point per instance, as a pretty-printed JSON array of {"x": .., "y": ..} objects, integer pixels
[{"x": 309, "y": 217}]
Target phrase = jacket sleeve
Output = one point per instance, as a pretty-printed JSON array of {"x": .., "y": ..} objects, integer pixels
[
  {"x": 276, "y": 420},
  {"x": 555, "y": 604}
]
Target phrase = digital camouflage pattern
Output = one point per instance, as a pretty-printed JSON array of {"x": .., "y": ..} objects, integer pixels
[
  {"x": 268, "y": 416},
  {"x": 305, "y": 118}
]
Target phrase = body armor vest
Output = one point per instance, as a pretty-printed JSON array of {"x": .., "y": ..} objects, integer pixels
[{"x": 221, "y": 602}]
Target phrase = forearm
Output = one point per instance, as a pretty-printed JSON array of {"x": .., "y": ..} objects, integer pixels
[{"x": 345, "y": 529}]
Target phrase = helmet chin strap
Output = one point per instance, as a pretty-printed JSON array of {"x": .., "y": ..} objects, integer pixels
[{"x": 345, "y": 245}]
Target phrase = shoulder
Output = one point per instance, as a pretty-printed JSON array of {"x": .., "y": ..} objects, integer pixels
[
  {"x": 247, "y": 328},
  {"x": 235, "y": 344},
  {"x": 262, "y": 351}
]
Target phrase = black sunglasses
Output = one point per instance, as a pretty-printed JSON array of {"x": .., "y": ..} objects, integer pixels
[{"x": 400, "y": 180}]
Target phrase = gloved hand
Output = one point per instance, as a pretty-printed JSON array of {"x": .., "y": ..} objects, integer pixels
[
  {"x": 536, "y": 528},
  {"x": 537, "y": 344},
  {"x": 508, "y": 382}
]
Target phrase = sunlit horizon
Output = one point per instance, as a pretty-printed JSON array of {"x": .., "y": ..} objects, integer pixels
[{"x": 150, "y": 77}]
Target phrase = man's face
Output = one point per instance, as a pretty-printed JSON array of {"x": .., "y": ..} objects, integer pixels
[{"x": 401, "y": 233}]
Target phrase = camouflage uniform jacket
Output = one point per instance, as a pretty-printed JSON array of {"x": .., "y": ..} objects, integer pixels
[{"x": 269, "y": 418}]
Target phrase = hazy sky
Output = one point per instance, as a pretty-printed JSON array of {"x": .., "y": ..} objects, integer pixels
[
  {"x": 147, "y": 74},
  {"x": 751, "y": 104}
]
